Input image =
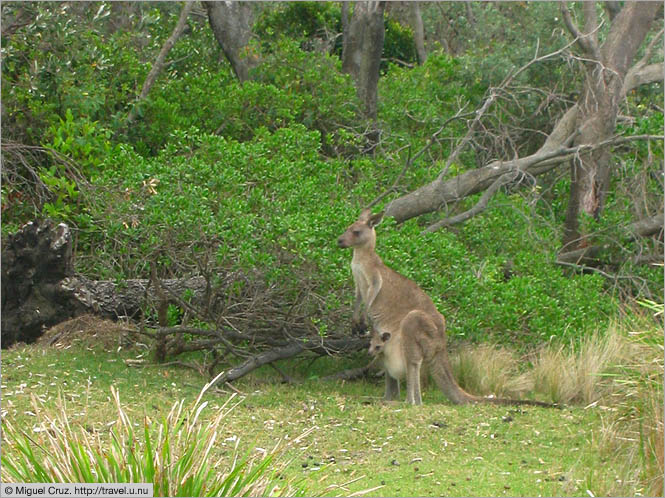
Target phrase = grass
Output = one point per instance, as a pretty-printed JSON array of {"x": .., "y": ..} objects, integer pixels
[
  {"x": 491, "y": 369},
  {"x": 356, "y": 444},
  {"x": 174, "y": 452},
  {"x": 578, "y": 375},
  {"x": 618, "y": 374}
]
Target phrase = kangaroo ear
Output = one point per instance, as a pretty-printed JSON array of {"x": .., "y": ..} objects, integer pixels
[
  {"x": 365, "y": 215},
  {"x": 385, "y": 336},
  {"x": 375, "y": 219}
]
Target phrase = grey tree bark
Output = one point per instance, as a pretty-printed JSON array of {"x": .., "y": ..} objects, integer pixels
[
  {"x": 418, "y": 31},
  {"x": 606, "y": 67},
  {"x": 362, "y": 49},
  {"x": 585, "y": 130},
  {"x": 231, "y": 24}
]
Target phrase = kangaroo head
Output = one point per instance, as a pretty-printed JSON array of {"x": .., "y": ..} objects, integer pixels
[
  {"x": 361, "y": 232},
  {"x": 377, "y": 341}
]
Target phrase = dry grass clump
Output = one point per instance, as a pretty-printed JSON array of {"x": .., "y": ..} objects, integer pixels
[
  {"x": 89, "y": 331},
  {"x": 562, "y": 373},
  {"x": 490, "y": 369},
  {"x": 567, "y": 374}
]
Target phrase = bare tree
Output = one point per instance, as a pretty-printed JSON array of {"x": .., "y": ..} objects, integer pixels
[
  {"x": 606, "y": 67},
  {"x": 363, "y": 45},
  {"x": 231, "y": 24},
  {"x": 583, "y": 134}
]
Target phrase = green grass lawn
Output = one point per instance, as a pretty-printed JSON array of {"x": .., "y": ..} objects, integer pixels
[{"x": 357, "y": 443}]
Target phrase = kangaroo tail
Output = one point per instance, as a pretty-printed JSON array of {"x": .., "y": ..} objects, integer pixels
[
  {"x": 509, "y": 401},
  {"x": 443, "y": 376}
]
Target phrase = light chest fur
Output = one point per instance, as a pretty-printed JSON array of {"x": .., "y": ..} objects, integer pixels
[{"x": 361, "y": 278}]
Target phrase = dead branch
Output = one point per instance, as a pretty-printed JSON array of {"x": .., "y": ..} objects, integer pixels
[
  {"x": 321, "y": 347},
  {"x": 647, "y": 227},
  {"x": 643, "y": 72},
  {"x": 480, "y": 206},
  {"x": 160, "y": 62},
  {"x": 586, "y": 41},
  {"x": 351, "y": 373},
  {"x": 411, "y": 159},
  {"x": 438, "y": 193},
  {"x": 535, "y": 165}
]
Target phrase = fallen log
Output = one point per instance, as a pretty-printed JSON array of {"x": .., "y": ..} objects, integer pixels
[{"x": 40, "y": 288}]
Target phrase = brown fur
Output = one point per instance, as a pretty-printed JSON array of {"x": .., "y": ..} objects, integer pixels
[{"x": 407, "y": 329}]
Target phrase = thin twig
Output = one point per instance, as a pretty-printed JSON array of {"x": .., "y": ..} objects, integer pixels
[{"x": 411, "y": 159}]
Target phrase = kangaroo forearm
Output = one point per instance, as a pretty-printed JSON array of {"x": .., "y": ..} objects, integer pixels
[
  {"x": 373, "y": 292},
  {"x": 358, "y": 312}
]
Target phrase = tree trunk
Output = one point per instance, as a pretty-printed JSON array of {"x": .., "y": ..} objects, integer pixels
[
  {"x": 606, "y": 69},
  {"x": 418, "y": 32},
  {"x": 363, "y": 46},
  {"x": 231, "y": 24}
]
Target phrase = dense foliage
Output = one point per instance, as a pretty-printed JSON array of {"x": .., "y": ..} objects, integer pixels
[{"x": 271, "y": 171}]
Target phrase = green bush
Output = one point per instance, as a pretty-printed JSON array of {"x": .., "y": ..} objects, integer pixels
[
  {"x": 64, "y": 61},
  {"x": 298, "y": 20},
  {"x": 276, "y": 206},
  {"x": 290, "y": 86},
  {"x": 270, "y": 171},
  {"x": 320, "y": 95},
  {"x": 398, "y": 44}
]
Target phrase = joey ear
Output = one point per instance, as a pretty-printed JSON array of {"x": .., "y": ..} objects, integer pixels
[
  {"x": 385, "y": 336},
  {"x": 365, "y": 215},
  {"x": 375, "y": 219}
]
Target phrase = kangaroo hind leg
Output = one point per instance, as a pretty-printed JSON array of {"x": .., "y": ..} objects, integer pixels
[
  {"x": 392, "y": 388},
  {"x": 418, "y": 331},
  {"x": 413, "y": 394}
]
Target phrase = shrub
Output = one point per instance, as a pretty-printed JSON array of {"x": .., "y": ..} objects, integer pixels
[{"x": 276, "y": 207}]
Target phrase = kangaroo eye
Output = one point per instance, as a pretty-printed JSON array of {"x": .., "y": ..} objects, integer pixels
[{"x": 356, "y": 232}]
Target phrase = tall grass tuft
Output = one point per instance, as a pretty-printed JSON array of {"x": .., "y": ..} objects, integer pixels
[
  {"x": 490, "y": 369},
  {"x": 580, "y": 374},
  {"x": 633, "y": 430},
  {"x": 173, "y": 453}
]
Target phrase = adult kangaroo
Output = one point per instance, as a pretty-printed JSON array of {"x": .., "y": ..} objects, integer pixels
[{"x": 407, "y": 329}]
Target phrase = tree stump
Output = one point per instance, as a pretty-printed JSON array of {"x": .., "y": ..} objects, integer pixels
[
  {"x": 40, "y": 288},
  {"x": 34, "y": 260}
]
